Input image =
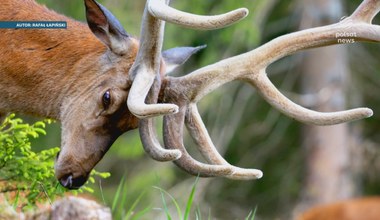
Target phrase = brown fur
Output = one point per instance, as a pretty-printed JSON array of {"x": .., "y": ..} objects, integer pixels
[
  {"x": 355, "y": 209},
  {"x": 63, "y": 74}
]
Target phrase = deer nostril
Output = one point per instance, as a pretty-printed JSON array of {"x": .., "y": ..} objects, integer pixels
[
  {"x": 69, "y": 182},
  {"x": 66, "y": 181},
  {"x": 56, "y": 157}
]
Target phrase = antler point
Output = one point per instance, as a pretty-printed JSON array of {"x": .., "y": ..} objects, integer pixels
[
  {"x": 369, "y": 112},
  {"x": 245, "y": 11}
]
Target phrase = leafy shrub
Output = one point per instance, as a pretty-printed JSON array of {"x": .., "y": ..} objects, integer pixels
[{"x": 27, "y": 177}]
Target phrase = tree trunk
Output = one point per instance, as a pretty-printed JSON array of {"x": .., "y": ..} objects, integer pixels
[{"x": 325, "y": 75}]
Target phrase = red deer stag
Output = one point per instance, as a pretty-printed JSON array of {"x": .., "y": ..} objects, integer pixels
[{"x": 100, "y": 82}]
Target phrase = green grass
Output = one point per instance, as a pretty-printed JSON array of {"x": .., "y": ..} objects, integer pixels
[
  {"x": 121, "y": 211},
  {"x": 251, "y": 215},
  {"x": 188, "y": 206},
  {"x": 119, "y": 208}
]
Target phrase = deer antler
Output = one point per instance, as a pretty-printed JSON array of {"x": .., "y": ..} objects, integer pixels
[
  {"x": 186, "y": 91},
  {"x": 162, "y": 11},
  {"x": 146, "y": 77},
  {"x": 146, "y": 66}
]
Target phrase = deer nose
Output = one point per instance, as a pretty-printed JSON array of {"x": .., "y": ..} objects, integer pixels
[{"x": 69, "y": 182}]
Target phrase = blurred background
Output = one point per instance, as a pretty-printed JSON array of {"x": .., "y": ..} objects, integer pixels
[{"x": 303, "y": 165}]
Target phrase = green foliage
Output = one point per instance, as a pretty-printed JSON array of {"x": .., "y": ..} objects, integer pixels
[
  {"x": 251, "y": 215},
  {"x": 188, "y": 206},
  {"x": 27, "y": 177},
  {"x": 21, "y": 169},
  {"x": 190, "y": 200},
  {"x": 120, "y": 211},
  {"x": 119, "y": 208}
]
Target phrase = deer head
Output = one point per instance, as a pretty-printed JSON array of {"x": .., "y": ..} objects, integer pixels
[{"x": 101, "y": 114}]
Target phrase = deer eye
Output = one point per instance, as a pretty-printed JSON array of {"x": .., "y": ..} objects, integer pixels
[{"x": 106, "y": 99}]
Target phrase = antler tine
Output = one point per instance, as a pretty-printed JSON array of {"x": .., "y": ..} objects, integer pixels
[
  {"x": 148, "y": 134},
  {"x": 275, "y": 98},
  {"x": 146, "y": 86},
  {"x": 205, "y": 145},
  {"x": 160, "y": 10},
  {"x": 201, "y": 137},
  {"x": 146, "y": 67},
  {"x": 173, "y": 139},
  {"x": 152, "y": 146},
  {"x": 366, "y": 11}
]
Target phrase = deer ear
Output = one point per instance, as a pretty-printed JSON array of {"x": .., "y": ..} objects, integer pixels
[
  {"x": 179, "y": 55},
  {"x": 106, "y": 27}
]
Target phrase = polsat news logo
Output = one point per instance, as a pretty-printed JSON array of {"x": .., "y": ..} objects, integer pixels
[{"x": 345, "y": 37}]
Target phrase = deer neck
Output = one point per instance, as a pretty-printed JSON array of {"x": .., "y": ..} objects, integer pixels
[{"x": 41, "y": 68}]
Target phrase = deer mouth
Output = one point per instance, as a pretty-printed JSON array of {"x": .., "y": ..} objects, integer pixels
[
  {"x": 70, "y": 182},
  {"x": 66, "y": 175}
]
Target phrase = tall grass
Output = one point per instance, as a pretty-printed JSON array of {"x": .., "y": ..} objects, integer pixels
[
  {"x": 122, "y": 212},
  {"x": 119, "y": 208},
  {"x": 188, "y": 206}
]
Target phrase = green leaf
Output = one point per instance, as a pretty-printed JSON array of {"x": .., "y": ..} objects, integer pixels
[
  {"x": 140, "y": 214},
  {"x": 105, "y": 175},
  {"x": 190, "y": 199},
  {"x": 40, "y": 124},
  {"x": 40, "y": 130},
  {"x": 118, "y": 193},
  {"x": 135, "y": 203},
  {"x": 165, "y": 206},
  {"x": 173, "y": 200},
  {"x": 252, "y": 214}
]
